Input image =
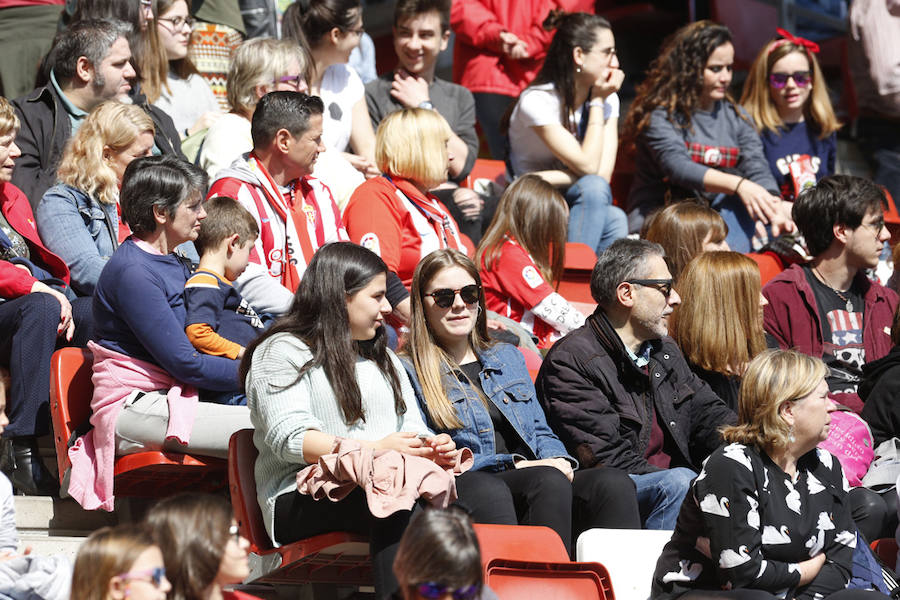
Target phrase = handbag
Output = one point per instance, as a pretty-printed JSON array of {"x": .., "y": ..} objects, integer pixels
[{"x": 869, "y": 573}]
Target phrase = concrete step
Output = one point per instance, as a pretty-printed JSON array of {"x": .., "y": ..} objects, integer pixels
[
  {"x": 47, "y": 545},
  {"x": 55, "y": 517}
]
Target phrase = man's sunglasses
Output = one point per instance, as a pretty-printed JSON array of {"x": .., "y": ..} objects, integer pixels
[
  {"x": 663, "y": 285},
  {"x": 801, "y": 78},
  {"x": 432, "y": 590},
  {"x": 444, "y": 297}
]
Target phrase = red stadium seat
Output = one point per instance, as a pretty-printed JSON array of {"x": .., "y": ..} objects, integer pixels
[
  {"x": 148, "y": 474},
  {"x": 575, "y": 284},
  {"x": 886, "y": 550},
  {"x": 484, "y": 168},
  {"x": 328, "y": 558}
]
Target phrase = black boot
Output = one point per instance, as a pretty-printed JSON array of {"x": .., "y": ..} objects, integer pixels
[{"x": 21, "y": 461}]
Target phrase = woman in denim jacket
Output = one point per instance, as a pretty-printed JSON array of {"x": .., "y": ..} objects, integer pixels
[
  {"x": 481, "y": 394},
  {"x": 78, "y": 218}
]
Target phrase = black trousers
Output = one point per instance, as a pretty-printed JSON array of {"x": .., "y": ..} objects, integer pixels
[
  {"x": 875, "y": 514},
  {"x": 489, "y": 110},
  {"x": 299, "y": 516},
  {"x": 597, "y": 497},
  {"x": 27, "y": 340}
]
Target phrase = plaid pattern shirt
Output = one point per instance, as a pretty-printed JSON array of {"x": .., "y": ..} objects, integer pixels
[{"x": 713, "y": 156}]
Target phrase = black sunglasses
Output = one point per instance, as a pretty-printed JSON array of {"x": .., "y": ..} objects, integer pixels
[
  {"x": 444, "y": 297},
  {"x": 663, "y": 285},
  {"x": 433, "y": 590}
]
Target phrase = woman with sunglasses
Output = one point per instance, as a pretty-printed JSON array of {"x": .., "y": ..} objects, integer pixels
[
  {"x": 692, "y": 141},
  {"x": 482, "y": 396},
  {"x": 786, "y": 96},
  {"x": 203, "y": 548},
  {"x": 115, "y": 563},
  {"x": 175, "y": 86}
]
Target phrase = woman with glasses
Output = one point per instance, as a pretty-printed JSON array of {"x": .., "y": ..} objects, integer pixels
[
  {"x": 177, "y": 87},
  {"x": 480, "y": 393},
  {"x": 202, "y": 546},
  {"x": 258, "y": 66},
  {"x": 787, "y": 98},
  {"x": 115, "y": 563},
  {"x": 692, "y": 141},
  {"x": 333, "y": 29}
]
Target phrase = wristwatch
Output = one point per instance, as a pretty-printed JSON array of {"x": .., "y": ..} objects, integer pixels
[{"x": 426, "y": 104}]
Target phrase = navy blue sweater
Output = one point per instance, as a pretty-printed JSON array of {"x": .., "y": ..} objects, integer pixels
[{"x": 789, "y": 143}]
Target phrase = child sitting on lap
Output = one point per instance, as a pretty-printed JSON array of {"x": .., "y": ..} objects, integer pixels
[{"x": 219, "y": 321}]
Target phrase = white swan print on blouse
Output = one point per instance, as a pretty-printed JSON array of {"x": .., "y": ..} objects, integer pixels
[
  {"x": 824, "y": 457},
  {"x": 715, "y": 506},
  {"x": 816, "y": 543},
  {"x": 689, "y": 572},
  {"x": 847, "y": 538},
  {"x": 736, "y": 452},
  {"x": 730, "y": 559},
  {"x": 753, "y": 515},
  {"x": 814, "y": 485},
  {"x": 793, "y": 497},
  {"x": 774, "y": 537}
]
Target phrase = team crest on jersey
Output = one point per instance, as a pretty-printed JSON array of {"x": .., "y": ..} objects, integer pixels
[
  {"x": 310, "y": 213},
  {"x": 532, "y": 277},
  {"x": 370, "y": 241}
]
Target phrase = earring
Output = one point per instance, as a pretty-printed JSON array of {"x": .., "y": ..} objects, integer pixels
[
  {"x": 577, "y": 68},
  {"x": 791, "y": 437}
]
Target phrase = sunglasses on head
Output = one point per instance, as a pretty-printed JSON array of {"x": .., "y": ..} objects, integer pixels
[
  {"x": 444, "y": 297},
  {"x": 154, "y": 576},
  {"x": 801, "y": 78},
  {"x": 433, "y": 590}
]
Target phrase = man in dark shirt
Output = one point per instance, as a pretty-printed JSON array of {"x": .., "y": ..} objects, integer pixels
[
  {"x": 618, "y": 391},
  {"x": 829, "y": 308}
]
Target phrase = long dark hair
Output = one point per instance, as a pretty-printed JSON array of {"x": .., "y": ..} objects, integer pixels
[
  {"x": 318, "y": 316},
  {"x": 675, "y": 79},
  {"x": 573, "y": 30},
  {"x": 318, "y": 17}
]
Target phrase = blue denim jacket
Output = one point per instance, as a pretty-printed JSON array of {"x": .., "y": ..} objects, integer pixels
[
  {"x": 506, "y": 383},
  {"x": 80, "y": 230}
]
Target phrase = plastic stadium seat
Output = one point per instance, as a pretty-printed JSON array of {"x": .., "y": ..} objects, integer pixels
[
  {"x": 575, "y": 284},
  {"x": 328, "y": 558},
  {"x": 886, "y": 550},
  {"x": 520, "y": 561},
  {"x": 629, "y": 554},
  {"x": 485, "y": 168},
  {"x": 769, "y": 265},
  {"x": 149, "y": 474}
]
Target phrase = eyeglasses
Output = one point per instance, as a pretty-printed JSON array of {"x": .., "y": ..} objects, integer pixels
[
  {"x": 877, "y": 226},
  {"x": 801, "y": 78},
  {"x": 298, "y": 81},
  {"x": 357, "y": 30},
  {"x": 432, "y": 590},
  {"x": 177, "y": 22},
  {"x": 663, "y": 285},
  {"x": 154, "y": 576},
  {"x": 444, "y": 298},
  {"x": 146, "y": 3}
]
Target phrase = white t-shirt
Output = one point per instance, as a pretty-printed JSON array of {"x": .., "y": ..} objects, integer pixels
[
  {"x": 187, "y": 100},
  {"x": 538, "y": 106},
  {"x": 341, "y": 89}
]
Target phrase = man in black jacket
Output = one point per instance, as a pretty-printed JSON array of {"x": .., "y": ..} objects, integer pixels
[
  {"x": 90, "y": 63},
  {"x": 618, "y": 391}
]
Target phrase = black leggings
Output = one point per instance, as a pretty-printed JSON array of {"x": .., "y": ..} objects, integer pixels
[
  {"x": 299, "y": 516},
  {"x": 597, "y": 497},
  {"x": 875, "y": 514}
]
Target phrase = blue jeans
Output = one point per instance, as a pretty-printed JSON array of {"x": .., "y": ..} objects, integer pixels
[
  {"x": 593, "y": 220},
  {"x": 660, "y": 495},
  {"x": 741, "y": 226}
]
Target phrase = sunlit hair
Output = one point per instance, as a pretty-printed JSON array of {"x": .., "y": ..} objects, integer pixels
[
  {"x": 674, "y": 82},
  {"x": 718, "y": 324},
  {"x": 757, "y": 96},
  {"x": 106, "y": 553},
  {"x": 9, "y": 122},
  {"x": 259, "y": 61},
  {"x": 535, "y": 215},
  {"x": 681, "y": 229},
  {"x": 110, "y": 128},
  {"x": 423, "y": 349},
  {"x": 440, "y": 546},
  {"x": 772, "y": 379},
  {"x": 225, "y": 217},
  {"x": 412, "y": 144},
  {"x": 192, "y": 531}
]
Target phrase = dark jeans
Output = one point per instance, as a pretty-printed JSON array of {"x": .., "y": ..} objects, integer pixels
[
  {"x": 597, "y": 497},
  {"x": 879, "y": 141},
  {"x": 27, "y": 341},
  {"x": 298, "y": 516},
  {"x": 489, "y": 111}
]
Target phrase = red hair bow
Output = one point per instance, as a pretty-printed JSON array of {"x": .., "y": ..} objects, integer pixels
[{"x": 789, "y": 37}]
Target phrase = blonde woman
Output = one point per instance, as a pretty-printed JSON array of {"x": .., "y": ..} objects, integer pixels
[
  {"x": 718, "y": 324},
  {"x": 258, "y": 66},
  {"x": 78, "y": 218}
]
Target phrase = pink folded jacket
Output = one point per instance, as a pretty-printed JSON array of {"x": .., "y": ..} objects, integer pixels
[{"x": 392, "y": 480}]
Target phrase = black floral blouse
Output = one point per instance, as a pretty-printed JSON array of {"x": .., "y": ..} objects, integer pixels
[{"x": 746, "y": 524}]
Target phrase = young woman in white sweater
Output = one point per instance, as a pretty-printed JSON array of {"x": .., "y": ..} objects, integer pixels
[{"x": 323, "y": 372}]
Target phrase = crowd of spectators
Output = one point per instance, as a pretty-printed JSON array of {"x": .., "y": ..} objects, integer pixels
[{"x": 242, "y": 232}]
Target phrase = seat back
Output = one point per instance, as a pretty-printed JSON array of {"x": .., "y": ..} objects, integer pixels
[
  {"x": 886, "y": 550},
  {"x": 70, "y": 398},
  {"x": 242, "y": 455},
  {"x": 575, "y": 283},
  {"x": 520, "y": 542},
  {"x": 560, "y": 581}
]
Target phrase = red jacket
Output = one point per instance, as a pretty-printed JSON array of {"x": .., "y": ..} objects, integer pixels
[
  {"x": 792, "y": 318},
  {"x": 15, "y": 282},
  {"x": 478, "y": 63}
]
